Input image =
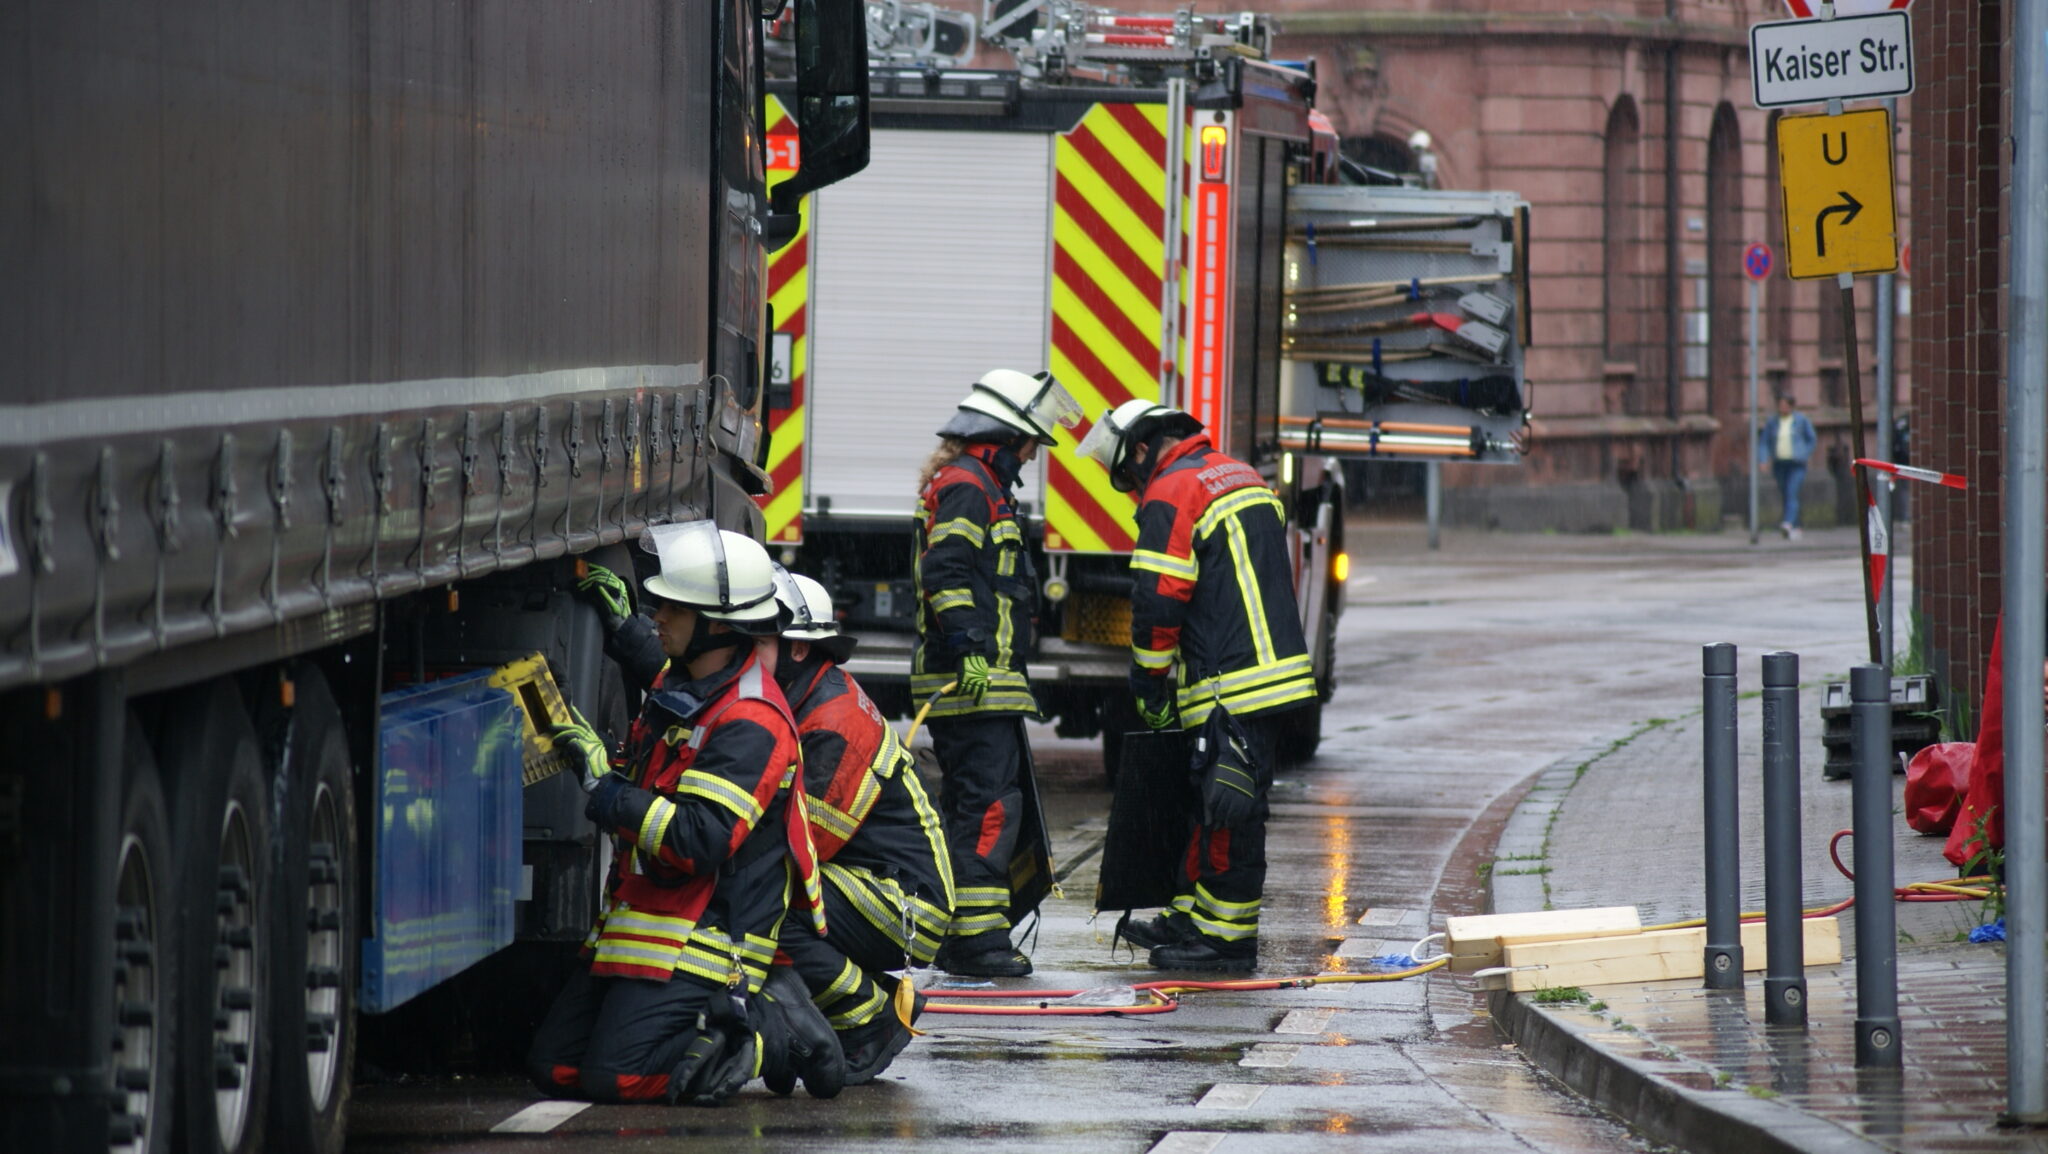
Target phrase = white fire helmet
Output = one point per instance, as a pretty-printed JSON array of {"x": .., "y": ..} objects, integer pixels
[
  {"x": 810, "y": 607},
  {"x": 1109, "y": 440},
  {"x": 1033, "y": 404},
  {"x": 723, "y": 575}
]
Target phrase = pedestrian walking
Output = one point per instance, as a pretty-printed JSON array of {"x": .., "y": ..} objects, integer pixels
[
  {"x": 1213, "y": 596},
  {"x": 888, "y": 881},
  {"x": 679, "y": 1000},
  {"x": 1783, "y": 445},
  {"x": 976, "y": 590}
]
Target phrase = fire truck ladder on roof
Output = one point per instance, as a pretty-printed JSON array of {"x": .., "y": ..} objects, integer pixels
[{"x": 1051, "y": 37}]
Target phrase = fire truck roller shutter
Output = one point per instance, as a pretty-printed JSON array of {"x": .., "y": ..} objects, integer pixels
[{"x": 926, "y": 272}]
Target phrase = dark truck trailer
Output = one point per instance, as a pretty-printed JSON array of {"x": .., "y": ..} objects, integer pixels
[{"x": 338, "y": 335}]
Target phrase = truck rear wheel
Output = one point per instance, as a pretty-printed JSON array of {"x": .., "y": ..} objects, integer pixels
[
  {"x": 221, "y": 831},
  {"x": 144, "y": 962},
  {"x": 312, "y": 924}
]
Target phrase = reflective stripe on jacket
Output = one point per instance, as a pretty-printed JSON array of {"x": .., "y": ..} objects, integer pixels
[
  {"x": 976, "y": 588},
  {"x": 1213, "y": 587},
  {"x": 869, "y": 813},
  {"x": 711, "y": 837}
]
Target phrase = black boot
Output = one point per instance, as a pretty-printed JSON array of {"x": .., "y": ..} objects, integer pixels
[
  {"x": 983, "y": 962},
  {"x": 1169, "y": 928},
  {"x": 872, "y": 1046},
  {"x": 1206, "y": 953},
  {"x": 799, "y": 1042}
]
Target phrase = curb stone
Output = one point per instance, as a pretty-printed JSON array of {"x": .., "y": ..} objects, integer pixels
[{"x": 1698, "y": 1121}]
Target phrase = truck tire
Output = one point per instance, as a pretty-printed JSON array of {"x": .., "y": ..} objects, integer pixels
[
  {"x": 221, "y": 833},
  {"x": 1302, "y": 734},
  {"x": 312, "y": 922},
  {"x": 145, "y": 962}
]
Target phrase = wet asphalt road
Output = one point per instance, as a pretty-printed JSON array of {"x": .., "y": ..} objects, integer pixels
[{"x": 1463, "y": 673}]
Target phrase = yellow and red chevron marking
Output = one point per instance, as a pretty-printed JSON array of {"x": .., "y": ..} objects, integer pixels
[
  {"x": 1109, "y": 260},
  {"x": 789, "y": 290}
]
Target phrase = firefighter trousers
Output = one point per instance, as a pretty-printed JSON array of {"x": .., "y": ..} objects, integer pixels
[
  {"x": 617, "y": 1039},
  {"x": 847, "y": 973},
  {"x": 981, "y": 797},
  {"x": 1223, "y": 872}
]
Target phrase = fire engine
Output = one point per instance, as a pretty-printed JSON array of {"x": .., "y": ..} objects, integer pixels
[{"x": 1142, "y": 205}]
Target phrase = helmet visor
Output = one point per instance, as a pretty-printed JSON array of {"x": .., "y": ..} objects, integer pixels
[
  {"x": 1054, "y": 407},
  {"x": 1102, "y": 441}
]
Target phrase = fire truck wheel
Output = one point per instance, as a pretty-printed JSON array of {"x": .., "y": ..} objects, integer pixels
[
  {"x": 145, "y": 961},
  {"x": 1303, "y": 734},
  {"x": 221, "y": 833},
  {"x": 312, "y": 922}
]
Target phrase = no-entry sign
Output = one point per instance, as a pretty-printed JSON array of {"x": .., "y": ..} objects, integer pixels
[{"x": 1756, "y": 261}]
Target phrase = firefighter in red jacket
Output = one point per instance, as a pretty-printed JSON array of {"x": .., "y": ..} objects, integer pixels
[
  {"x": 888, "y": 881},
  {"x": 975, "y": 595},
  {"x": 1213, "y": 593},
  {"x": 678, "y": 1001}
]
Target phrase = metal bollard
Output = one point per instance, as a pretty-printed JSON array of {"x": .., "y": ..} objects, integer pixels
[
  {"x": 1724, "y": 889},
  {"x": 1784, "y": 937},
  {"x": 1877, "y": 945}
]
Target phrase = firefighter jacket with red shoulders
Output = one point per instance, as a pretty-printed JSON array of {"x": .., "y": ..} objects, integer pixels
[
  {"x": 712, "y": 834},
  {"x": 1213, "y": 586},
  {"x": 975, "y": 586},
  {"x": 869, "y": 813}
]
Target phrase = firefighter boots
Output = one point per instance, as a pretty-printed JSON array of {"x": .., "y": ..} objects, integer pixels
[
  {"x": 796, "y": 1040},
  {"x": 1166, "y": 929},
  {"x": 1000, "y": 962},
  {"x": 1203, "y": 952}
]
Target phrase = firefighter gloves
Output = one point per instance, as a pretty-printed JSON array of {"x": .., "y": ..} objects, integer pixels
[
  {"x": 974, "y": 676},
  {"x": 1226, "y": 772},
  {"x": 604, "y": 587},
  {"x": 584, "y": 749},
  {"x": 1154, "y": 698}
]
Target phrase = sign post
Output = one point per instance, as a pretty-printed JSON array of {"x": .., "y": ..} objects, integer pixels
[
  {"x": 1756, "y": 265},
  {"x": 1838, "y": 184}
]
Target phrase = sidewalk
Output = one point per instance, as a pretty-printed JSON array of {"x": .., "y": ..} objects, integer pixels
[{"x": 1620, "y": 824}]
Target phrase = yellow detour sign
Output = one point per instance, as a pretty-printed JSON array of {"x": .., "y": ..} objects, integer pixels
[{"x": 1840, "y": 215}]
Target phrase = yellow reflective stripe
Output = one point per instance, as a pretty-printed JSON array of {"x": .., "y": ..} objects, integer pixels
[
  {"x": 612, "y": 952},
  {"x": 1230, "y": 505},
  {"x": 946, "y": 600},
  {"x": 957, "y": 527},
  {"x": 981, "y": 896},
  {"x": 969, "y": 924},
  {"x": 1003, "y": 531},
  {"x": 1248, "y": 589},
  {"x": 1006, "y": 633},
  {"x": 861, "y": 1012},
  {"x": 713, "y": 788},
  {"x": 1205, "y": 899},
  {"x": 830, "y": 819},
  {"x": 879, "y": 900},
  {"x": 1228, "y": 931},
  {"x": 628, "y": 921},
  {"x": 1006, "y": 563},
  {"x": 654, "y": 826},
  {"x": 934, "y": 836},
  {"x": 1156, "y": 562},
  {"x": 864, "y": 799},
  {"x": 1196, "y": 711},
  {"x": 1152, "y": 658}
]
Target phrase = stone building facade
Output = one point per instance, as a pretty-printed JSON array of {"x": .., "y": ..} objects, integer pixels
[{"x": 1628, "y": 125}]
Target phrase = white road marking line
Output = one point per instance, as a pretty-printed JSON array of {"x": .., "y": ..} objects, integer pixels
[
  {"x": 1391, "y": 916},
  {"x": 1187, "y": 1142},
  {"x": 1304, "y": 1022},
  {"x": 1231, "y": 1096},
  {"x": 540, "y": 1117},
  {"x": 1270, "y": 1054}
]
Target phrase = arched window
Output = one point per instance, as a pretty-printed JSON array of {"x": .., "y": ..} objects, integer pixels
[
  {"x": 1620, "y": 303},
  {"x": 1727, "y": 312}
]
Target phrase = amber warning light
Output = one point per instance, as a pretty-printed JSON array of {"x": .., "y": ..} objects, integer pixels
[{"x": 1215, "y": 142}]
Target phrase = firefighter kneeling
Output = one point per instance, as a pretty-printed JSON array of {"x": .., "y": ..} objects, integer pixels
[
  {"x": 1213, "y": 592},
  {"x": 679, "y": 1002},
  {"x": 881, "y": 849}
]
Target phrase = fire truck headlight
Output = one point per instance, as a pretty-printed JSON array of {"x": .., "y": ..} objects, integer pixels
[{"x": 1056, "y": 589}]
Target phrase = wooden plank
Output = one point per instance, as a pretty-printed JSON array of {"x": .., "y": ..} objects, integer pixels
[
  {"x": 1650, "y": 957},
  {"x": 1475, "y": 942}
]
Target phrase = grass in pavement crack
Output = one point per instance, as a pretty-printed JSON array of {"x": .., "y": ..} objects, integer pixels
[{"x": 1578, "y": 772}]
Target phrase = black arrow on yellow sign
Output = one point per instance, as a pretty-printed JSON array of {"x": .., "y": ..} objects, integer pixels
[{"x": 1849, "y": 207}]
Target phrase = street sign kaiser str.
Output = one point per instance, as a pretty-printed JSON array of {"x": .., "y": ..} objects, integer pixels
[
  {"x": 1837, "y": 175},
  {"x": 1809, "y": 9},
  {"x": 1847, "y": 58}
]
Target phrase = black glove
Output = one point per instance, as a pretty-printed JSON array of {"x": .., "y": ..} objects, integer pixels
[
  {"x": 715, "y": 1064},
  {"x": 1225, "y": 773},
  {"x": 1154, "y": 699}
]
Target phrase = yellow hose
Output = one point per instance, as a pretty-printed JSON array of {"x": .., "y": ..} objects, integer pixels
[{"x": 918, "y": 721}]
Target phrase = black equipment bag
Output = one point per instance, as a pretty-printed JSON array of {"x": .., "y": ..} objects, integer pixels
[
  {"x": 1150, "y": 820},
  {"x": 1031, "y": 872}
]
